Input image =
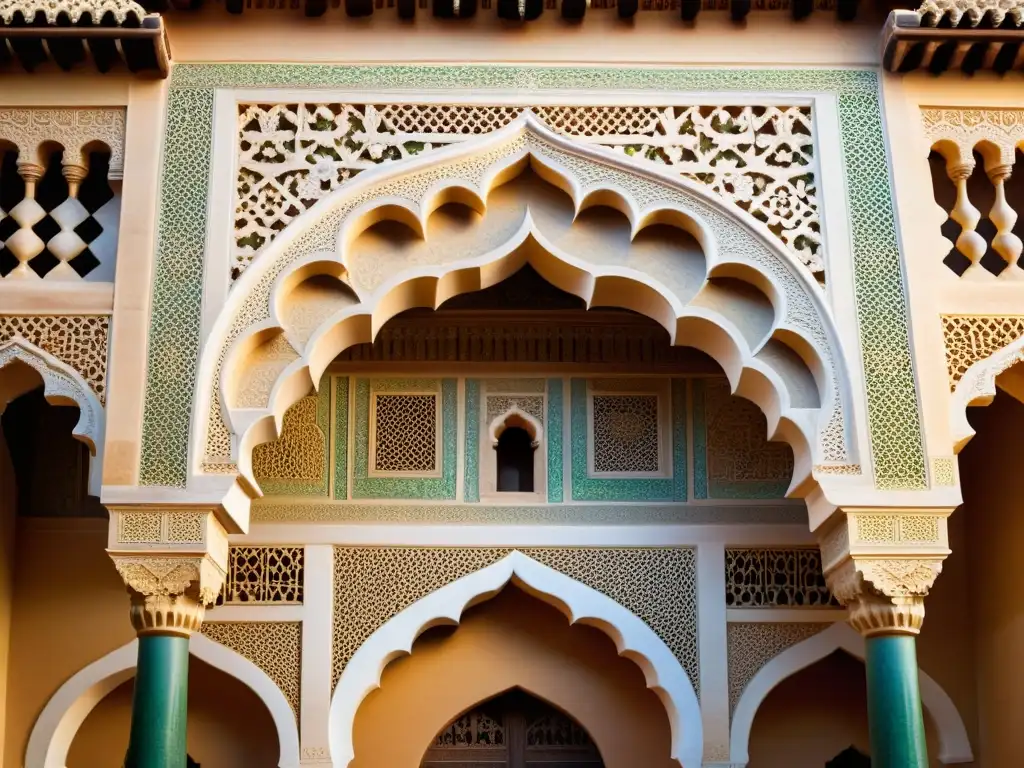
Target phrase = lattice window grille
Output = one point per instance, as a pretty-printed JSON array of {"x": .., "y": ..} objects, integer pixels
[
  {"x": 405, "y": 434},
  {"x": 776, "y": 578},
  {"x": 474, "y": 729},
  {"x": 626, "y": 435},
  {"x": 264, "y": 575}
]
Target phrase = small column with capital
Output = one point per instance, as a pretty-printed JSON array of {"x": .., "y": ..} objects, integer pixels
[
  {"x": 174, "y": 563},
  {"x": 880, "y": 565}
]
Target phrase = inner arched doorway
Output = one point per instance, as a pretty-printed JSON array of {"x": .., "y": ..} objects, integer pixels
[{"x": 513, "y": 730}]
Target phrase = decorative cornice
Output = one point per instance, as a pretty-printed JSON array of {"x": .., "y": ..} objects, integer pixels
[
  {"x": 935, "y": 12},
  {"x": 934, "y": 37},
  {"x": 75, "y": 10},
  {"x": 136, "y": 37}
]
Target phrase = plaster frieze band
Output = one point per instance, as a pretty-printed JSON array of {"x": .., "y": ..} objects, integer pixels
[{"x": 76, "y": 130}]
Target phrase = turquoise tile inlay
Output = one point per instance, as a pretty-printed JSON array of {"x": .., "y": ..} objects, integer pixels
[
  {"x": 471, "y": 484},
  {"x": 555, "y": 447},
  {"x": 586, "y": 488},
  {"x": 366, "y": 487},
  {"x": 341, "y": 385}
]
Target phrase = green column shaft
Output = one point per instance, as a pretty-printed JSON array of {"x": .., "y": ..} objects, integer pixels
[
  {"x": 894, "y": 703},
  {"x": 160, "y": 703}
]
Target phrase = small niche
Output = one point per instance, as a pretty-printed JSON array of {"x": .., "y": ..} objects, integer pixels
[{"x": 515, "y": 461}]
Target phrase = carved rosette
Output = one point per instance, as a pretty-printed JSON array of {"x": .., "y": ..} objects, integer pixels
[
  {"x": 173, "y": 561},
  {"x": 882, "y": 563}
]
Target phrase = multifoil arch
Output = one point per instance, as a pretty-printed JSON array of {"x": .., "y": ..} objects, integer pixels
[
  {"x": 734, "y": 246},
  {"x": 633, "y": 639}
]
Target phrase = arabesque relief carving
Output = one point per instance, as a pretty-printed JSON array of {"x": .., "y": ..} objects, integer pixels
[{"x": 759, "y": 158}]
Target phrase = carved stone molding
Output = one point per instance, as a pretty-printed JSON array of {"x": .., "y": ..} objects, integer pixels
[
  {"x": 73, "y": 129},
  {"x": 881, "y": 565},
  {"x": 80, "y": 341},
  {"x": 980, "y": 349},
  {"x": 173, "y": 561},
  {"x": 64, "y": 386},
  {"x": 970, "y": 339},
  {"x": 166, "y": 614}
]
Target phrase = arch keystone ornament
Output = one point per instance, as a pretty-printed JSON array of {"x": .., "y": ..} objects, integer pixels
[
  {"x": 880, "y": 564},
  {"x": 174, "y": 562}
]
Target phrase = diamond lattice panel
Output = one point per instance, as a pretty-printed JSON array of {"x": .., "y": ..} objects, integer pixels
[{"x": 406, "y": 433}]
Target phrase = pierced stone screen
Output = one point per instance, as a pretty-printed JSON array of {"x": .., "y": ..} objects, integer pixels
[
  {"x": 406, "y": 433},
  {"x": 626, "y": 433}
]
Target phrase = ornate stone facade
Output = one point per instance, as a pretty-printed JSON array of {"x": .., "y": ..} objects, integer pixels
[
  {"x": 751, "y": 645},
  {"x": 372, "y": 584},
  {"x": 273, "y": 646}
]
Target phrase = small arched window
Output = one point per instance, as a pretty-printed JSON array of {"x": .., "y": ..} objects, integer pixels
[{"x": 515, "y": 461}]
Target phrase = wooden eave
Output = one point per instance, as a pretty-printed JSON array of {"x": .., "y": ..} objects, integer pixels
[
  {"x": 909, "y": 45},
  {"x": 139, "y": 46},
  {"x": 524, "y": 10}
]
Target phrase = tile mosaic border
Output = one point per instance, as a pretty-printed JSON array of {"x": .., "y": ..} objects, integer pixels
[
  {"x": 471, "y": 484},
  {"x": 556, "y": 448},
  {"x": 443, "y": 487},
  {"x": 341, "y": 441},
  {"x": 174, "y": 343},
  {"x": 586, "y": 488}
]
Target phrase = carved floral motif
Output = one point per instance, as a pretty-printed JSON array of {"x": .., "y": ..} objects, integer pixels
[{"x": 759, "y": 158}]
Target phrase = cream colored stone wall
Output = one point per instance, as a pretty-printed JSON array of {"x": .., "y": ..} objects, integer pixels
[
  {"x": 70, "y": 608},
  {"x": 512, "y": 640},
  {"x": 651, "y": 38},
  {"x": 228, "y": 725}
]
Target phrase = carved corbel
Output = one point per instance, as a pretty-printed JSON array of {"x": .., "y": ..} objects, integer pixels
[
  {"x": 881, "y": 564},
  {"x": 173, "y": 562}
]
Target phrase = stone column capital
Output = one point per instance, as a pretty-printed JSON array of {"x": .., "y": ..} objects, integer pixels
[
  {"x": 173, "y": 560},
  {"x": 881, "y": 563}
]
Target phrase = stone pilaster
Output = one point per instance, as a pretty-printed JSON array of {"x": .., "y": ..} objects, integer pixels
[
  {"x": 881, "y": 564},
  {"x": 174, "y": 562}
]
